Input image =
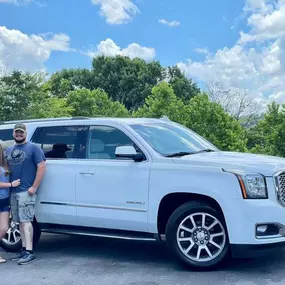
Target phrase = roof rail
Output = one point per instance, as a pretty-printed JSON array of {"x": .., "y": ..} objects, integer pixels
[{"x": 43, "y": 120}]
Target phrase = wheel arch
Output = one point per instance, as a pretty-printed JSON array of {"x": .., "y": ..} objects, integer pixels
[{"x": 170, "y": 202}]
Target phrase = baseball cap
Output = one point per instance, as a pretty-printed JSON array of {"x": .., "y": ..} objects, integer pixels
[{"x": 20, "y": 127}]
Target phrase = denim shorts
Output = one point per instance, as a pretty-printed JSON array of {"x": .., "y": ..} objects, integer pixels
[
  {"x": 4, "y": 205},
  {"x": 23, "y": 207}
]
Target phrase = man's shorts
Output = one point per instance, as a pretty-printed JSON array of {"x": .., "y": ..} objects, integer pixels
[{"x": 23, "y": 207}]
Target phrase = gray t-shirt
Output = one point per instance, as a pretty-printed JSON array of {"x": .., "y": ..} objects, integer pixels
[
  {"x": 4, "y": 192},
  {"x": 22, "y": 161}
]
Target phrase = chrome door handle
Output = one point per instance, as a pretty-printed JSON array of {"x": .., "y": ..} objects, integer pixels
[{"x": 87, "y": 172}]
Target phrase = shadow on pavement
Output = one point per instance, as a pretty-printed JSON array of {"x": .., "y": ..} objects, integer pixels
[{"x": 137, "y": 252}]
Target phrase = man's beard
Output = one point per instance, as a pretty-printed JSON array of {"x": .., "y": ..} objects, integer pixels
[{"x": 19, "y": 141}]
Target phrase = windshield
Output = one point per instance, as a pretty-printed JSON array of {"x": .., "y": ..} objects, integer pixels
[{"x": 168, "y": 139}]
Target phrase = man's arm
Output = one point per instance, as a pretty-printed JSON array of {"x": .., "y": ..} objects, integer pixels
[
  {"x": 39, "y": 176},
  {"x": 39, "y": 160}
]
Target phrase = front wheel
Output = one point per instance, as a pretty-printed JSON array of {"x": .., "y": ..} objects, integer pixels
[
  {"x": 196, "y": 233},
  {"x": 12, "y": 241}
]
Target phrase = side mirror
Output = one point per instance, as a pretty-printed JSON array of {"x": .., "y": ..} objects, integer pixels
[{"x": 128, "y": 152}]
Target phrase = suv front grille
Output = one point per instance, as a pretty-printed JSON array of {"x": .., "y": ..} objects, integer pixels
[{"x": 280, "y": 187}]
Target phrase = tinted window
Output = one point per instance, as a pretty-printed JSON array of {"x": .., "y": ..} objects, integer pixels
[
  {"x": 6, "y": 138},
  {"x": 103, "y": 140},
  {"x": 62, "y": 142}
]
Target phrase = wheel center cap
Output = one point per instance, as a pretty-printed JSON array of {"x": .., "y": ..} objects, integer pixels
[{"x": 200, "y": 236}]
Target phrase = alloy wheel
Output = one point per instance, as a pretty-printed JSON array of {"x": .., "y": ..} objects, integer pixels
[{"x": 201, "y": 237}]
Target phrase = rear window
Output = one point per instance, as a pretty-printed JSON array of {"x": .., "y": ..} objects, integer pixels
[
  {"x": 59, "y": 142},
  {"x": 6, "y": 138}
]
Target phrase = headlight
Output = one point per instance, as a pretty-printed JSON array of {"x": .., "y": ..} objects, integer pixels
[{"x": 253, "y": 186}]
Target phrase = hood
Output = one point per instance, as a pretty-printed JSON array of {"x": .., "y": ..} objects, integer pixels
[{"x": 244, "y": 162}]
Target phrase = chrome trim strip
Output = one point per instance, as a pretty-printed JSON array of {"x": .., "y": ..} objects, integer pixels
[
  {"x": 94, "y": 206},
  {"x": 96, "y": 235}
]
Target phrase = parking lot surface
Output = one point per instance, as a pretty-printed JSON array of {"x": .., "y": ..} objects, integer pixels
[{"x": 68, "y": 260}]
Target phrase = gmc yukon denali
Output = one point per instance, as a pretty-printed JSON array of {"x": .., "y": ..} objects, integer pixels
[{"x": 153, "y": 179}]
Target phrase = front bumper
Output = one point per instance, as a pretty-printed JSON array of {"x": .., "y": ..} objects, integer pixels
[
  {"x": 242, "y": 217},
  {"x": 256, "y": 250}
]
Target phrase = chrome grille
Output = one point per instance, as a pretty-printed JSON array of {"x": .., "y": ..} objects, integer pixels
[{"x": 280, "y": 187}]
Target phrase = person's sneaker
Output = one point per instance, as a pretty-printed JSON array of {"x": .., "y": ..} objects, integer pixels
[
  {"x": 27, "y": 258},
  {"x": 18, "y": 256}
]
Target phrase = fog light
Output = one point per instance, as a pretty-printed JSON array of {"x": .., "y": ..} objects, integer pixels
[
  {"x": 267, "y": 230},
  {"x": 261, "y": 229}
]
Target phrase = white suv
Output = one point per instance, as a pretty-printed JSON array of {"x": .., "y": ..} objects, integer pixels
[{"x": 153, "y": 179}]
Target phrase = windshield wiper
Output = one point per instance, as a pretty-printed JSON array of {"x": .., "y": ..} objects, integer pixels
[
  {"x": 204, "y": 150},
  {"x": 182, "y": 153}
]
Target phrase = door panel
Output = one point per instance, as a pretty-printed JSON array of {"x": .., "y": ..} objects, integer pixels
[
  {"x": 56, "y": 202},
  {"x": 62, "y": 145},
  {"x": 111, "y": 193}
]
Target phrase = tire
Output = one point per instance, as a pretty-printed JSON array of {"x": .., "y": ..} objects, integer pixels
[
  {"x": 198, "y": 237},
  {"x": 15, "y": 244}
]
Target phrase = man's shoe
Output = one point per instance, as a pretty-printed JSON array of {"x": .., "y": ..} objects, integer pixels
[
  {"x": 18, "y": 256},
  {"x": 27, "y": 258}
]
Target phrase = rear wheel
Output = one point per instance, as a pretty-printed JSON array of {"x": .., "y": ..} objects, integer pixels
[
  {"x": 196, "y": 233},
  {"x": 12, "y": 241}
]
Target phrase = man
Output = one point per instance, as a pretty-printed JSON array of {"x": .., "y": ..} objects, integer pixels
[{"x": 26, "y": 162}]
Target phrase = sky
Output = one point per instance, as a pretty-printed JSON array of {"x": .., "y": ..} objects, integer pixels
[{"x": 240, "y": 43}]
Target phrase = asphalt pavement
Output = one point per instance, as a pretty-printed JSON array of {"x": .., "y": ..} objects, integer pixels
[{"x": 70, "y": 260}]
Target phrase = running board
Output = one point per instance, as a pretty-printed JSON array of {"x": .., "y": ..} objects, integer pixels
[{"x": 105, "y": 233}]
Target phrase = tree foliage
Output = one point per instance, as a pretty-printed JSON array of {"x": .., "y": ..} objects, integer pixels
[
  {"x": 209, "y": 120},
  {"x": 94, "y": 103},
  {"x": 62, "y": 82},
  {"x": 16, "y": 91},
  {"x": 182, "y": 86},
  {"x": 268, "y": 136},
  {"x": 123, "y": 87},
  {"x": 126, "y": 80},
  {"x": 162, "y": 101}
]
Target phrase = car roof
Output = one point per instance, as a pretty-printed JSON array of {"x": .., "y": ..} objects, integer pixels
[{"x": 51, "y": 121}]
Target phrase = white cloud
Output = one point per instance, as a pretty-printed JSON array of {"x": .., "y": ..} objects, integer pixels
[
  {"x": 202, "y": 51},
  {"x": 256, "y": 61},
  {"x": 278, "y": 97},
  {"x": 117, "y": 11},
  {"x": 28, "y": 52},
  {"x": 110, "y": 48},
  {"x": 168, "y": 23},
  {"x": 266, "y": 20}
]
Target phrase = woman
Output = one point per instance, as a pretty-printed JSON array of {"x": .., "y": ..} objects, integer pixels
[{"x": 4, "y": 196}]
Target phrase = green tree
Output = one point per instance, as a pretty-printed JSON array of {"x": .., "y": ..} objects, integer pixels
[
  {"x": 52, "y": 107},
  {"x": 162, "y": 101},
  {"x": 268, "y": 136},
  {"x": 210, "y": 121},
  {"x": 126, "y": 80},
  {"x": 66, "y": 80},
  {"x": 17, "y": 90},
  {"x": 94, "y": 103},
  {"x": 183, "y": 87}
]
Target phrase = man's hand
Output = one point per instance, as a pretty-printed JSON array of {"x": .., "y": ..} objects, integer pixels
[{"x": 32, "y": 190}]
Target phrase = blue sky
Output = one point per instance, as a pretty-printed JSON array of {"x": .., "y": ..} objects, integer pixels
[{"x": 240, "y": 43}]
